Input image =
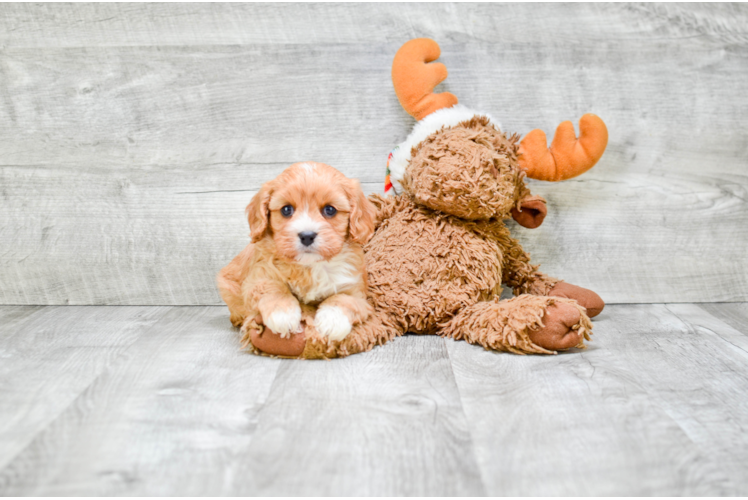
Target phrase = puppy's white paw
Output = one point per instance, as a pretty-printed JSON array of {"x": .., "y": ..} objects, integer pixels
[
  {"x": 284, "y": 322},
  {"x": 332, "y": 321}
]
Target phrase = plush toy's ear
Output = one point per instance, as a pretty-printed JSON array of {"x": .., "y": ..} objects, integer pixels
[
  {"x": 568, "y": 156},
  {"x": 258, "y": 213},
  {"x": 532, "y": 212},
  {"x": 361, "y": 216},
  {"x": 414, "y": 78}
]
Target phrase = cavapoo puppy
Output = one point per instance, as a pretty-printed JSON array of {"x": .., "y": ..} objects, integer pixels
[{"x": 308, "y": 227}]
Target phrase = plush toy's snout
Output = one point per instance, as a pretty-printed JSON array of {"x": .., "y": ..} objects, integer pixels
[{"x": 532, "y": 213}]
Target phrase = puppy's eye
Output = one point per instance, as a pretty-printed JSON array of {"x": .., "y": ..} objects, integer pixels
[
  {"x": 287, "y": 211},
  {"x": 329, "y": 211}
]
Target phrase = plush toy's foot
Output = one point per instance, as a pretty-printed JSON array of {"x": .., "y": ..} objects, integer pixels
[
  {"x": 527, "y": 324},
  {"x": 558, "y": 331},
  {"x": 310, "y": 344},
  {"x": 262, "y": 340},
  {"x": 269, "y": 342},
  {"x": 586, "y": 298}
]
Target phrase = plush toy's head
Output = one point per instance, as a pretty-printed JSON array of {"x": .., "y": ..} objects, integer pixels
[
  {"x": 459, "y": 162},
  {"x": 470, "y": 171}
]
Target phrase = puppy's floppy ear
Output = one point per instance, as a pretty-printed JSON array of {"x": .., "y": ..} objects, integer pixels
[
  {"x": 258, "y": 213},
  {"x": 361, "y": 217}
]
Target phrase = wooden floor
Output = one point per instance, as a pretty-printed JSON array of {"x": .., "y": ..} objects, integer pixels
[{"x": 160, "y": 400}]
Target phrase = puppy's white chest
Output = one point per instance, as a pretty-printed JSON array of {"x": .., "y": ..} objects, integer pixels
[{"x": 324, "y": 279}]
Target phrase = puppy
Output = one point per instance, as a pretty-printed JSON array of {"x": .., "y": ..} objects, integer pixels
[{"x": 307, "y": 227}]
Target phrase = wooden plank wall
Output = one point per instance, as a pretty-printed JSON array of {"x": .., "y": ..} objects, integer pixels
[{"x": 133, "y": 135}]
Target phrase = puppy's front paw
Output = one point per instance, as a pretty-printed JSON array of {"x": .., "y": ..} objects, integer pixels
[
  {"x": 333, "y": 322},
  {"x": 284, "y": 322}
]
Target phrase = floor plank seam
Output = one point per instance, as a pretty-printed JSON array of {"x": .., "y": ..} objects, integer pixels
[
  {"x": 473, "y": 448},
  {"x": 695, "y": 328}
]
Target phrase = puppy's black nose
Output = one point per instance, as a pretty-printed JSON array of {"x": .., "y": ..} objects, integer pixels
[{"x": 307, "y": 238}]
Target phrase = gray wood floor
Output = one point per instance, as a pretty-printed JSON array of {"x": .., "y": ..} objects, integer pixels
[{"x": 151, "y": 400}]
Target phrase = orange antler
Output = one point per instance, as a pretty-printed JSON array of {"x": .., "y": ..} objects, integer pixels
[
  {"x": 414, "y": 79},
  {"x": 568, "y": 156}
]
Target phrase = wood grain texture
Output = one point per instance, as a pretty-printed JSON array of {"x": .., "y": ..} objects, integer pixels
[
  {"x": 655, "y": 406},
  {"x": 240, "y": 24},
  {"x": 50, "y": 355},
  {"x": 159, "y": 418},
  {"x": 183, "y": 411},
  {"x": 735, "y": 315},
  {"x": 389, "y": 423},
  {"x": 132, "y": 136},
  {"x": 160, "y": 401}
]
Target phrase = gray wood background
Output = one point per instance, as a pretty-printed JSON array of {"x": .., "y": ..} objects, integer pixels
[{"x": 132, "y": 136}]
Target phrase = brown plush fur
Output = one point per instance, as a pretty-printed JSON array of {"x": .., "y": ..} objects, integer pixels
[
  {"x": 424, "y": 265},
  {"x": 469, "y": 171},
  {"x": 506, "y": 325},
  {"x": 441, "y": 252}
]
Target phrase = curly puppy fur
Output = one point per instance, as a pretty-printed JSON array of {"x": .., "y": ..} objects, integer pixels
[{"x": 278, "y": 272}]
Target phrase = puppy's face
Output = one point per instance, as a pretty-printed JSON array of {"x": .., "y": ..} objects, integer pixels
[{"x": 310, "y": 211}]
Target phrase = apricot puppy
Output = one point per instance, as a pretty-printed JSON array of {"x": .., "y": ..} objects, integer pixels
[{"x": 307, "y": 226}]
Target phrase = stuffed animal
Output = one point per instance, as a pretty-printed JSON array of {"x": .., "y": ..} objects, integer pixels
[{"x": 441, "y": 250}]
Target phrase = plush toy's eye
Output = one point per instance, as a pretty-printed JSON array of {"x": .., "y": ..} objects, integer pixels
[
  {"x": 329, "y": 211},
  {"x": 287, "y": 211}
]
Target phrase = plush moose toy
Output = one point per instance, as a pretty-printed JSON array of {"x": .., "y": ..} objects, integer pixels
[{"x": 441, "y": 251}]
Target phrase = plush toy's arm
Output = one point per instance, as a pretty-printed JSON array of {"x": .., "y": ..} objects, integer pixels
[
  {"x": 520, "y": 274},
  {"x": 523, "y": 277}
]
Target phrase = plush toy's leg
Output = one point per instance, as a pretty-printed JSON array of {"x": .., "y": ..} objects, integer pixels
[
  {"x": 541, "y": 284},
  {"x": 524, "y": 277},
  {"x": 259, "y": 339},
  {"x": 522, "y": 325},
  {"x": 262, "y": 340},
  {"x": 310, "y": 344},
  {"x": 586, "y": 298}
]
